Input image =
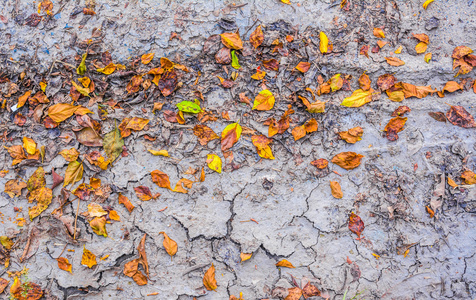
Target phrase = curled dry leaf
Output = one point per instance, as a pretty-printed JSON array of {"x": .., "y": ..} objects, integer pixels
[
  {"x": 347, "y": 160},
  {"x": 378, "y": 32},
  {"x": 303, "y": 67},
  {"x": 356, "y": 225},
  {"x": 161, "y": 179},
  {"x": 257, "y": 37},
  {"x": 458, "y": 116},
  {"x": 64, "y": 264},
  {"x": 469, "y": 177},
  {"x": 264, "y": 100},
  {"x": 426, "y": 3},
  {"x": 393, "y": 127},
  {"x": 400, "y": 111},
  {"x": 428, "y": 57},
  {"x": 336, "y": 190},
  {"x": 438, "y": 115},
  {"x": 169, "y": 244},
  {"x": 214, "y": 162},
  {"x": 358, "y": 98},
  {"x": 98, "y": 225},
  {"x": 394, "y": 61},
  {"x": 386, "y": 81},
  {"x": 422, "y": 37},
  {"x": 13, "y": 187},
  {"x": 126, "y": 202},
  {"x": 262, "y": 146},
  {"x": 147, "y": 58},
  {"x": 209, "y": 280},
  {"x": 88, "y": 259},
  {"x": 231, "y": 40},
  {"x": 461, "y": 51},
  {"x": 230, "y": 135},
  {"x": 352, "y": 135},
  {"x": 308, "y": 127},
  {"x": 285, "y": 263}
]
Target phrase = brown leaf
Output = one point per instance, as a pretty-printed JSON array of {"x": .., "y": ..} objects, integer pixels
[
  {"x": 144, "y": 193},
  {"x": 223, "y": 56},
  {"x": 310, "y": 290},
  {"x": 13, "y": 187},
  {"x": 364, "y": 82},
  {"x": 161, "y": 179},
  {"x": 271, "y": 64},
  {"x": 88, "y": 137},
  {"x": 169, "y": 244},
  {"x": 17, "y": 153},
  {"x": 126, "y": 202},
  {"x": 204, "y": 134},
  {"x": 458, "y": 116},
  {"x": 439, "y": 116},
  {"x": 364, "y": 50},
  {"x": 336, "y": 190},
  {"x": 64, "y": 264},
  {"x": 400, "y": 111},
  {"x": 452, "y": 86},
  {"x": 285, "y": 263},
  {"x": 26, "y": 290},
  {"x": 352, "y": 135},
  {"x": 469, "y": 177},
  {"x": 230, "y": 135},
  {"x": 422, "y": 37},
  {"x": 143, "y": 255},
  {"x": 347, "y": 160},
  {"x": 134, "y": 84},
  {"x": 294, "y": 293},
  {"x": 209, "y": 280},
  {"x": 320, "y": 163},
  {"x": 384, "y": 82},
  {"x": 393, "y": 127},
  {"x": 461, "y": 51},
  {"x": 356, "y": 225},
  {"x": 3, "y": 284},
  {"x": 394, "y": 61},
  {"x": 168, "y": 82},
  {"x": 257, "y": 37}
]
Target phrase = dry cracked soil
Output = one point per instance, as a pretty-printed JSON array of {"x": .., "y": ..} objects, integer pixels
[{"x": 273, "y": 209}]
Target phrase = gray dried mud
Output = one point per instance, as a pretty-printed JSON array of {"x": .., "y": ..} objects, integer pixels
[{"x": 297, "y": 217}]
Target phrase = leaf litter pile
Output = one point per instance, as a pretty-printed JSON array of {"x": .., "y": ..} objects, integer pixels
[{"x": 64, "y": 130}]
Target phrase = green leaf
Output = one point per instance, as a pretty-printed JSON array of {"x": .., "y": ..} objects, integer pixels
[
  {"x": 82, "y": 66},
  {"x": 234, "y": 60},
  {"x": 189, "y": 107},
  {"x": 112, "y": 144}
]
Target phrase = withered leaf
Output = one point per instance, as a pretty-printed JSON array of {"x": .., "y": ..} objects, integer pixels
[
  {"x": 262, "y": 146},
  {"x": 26, "y": 290},
  {"x": 64, "y": 264},
  {"x": 98, "y": 225},
  {"x": 378, "y": 32},
  {"x": 209, "y": 280},
  {"x": 394, "y": 61},
  {"x": 214, "y": 162},
  {"x": 320, "y": 163},
  {"x": 400, "y": 111},
  {"x": 352, "y": 135},
  {"x": 469, "y": 177},
  {"x": 144, "y": 193},
  {"x": 358, "y": 98},
  {"x": 231, "y": 40},
  {"x": 285, "y": 263},
  {"x": 113, "y": 143},
  {"x": 303, "y": 66},
  {"x": 257, "y": 37},
  {"x": 364, "y": 82},
  {"x": 347, "y": 160},
  {"x": 169, "y": 244},
  {"x": 161, "y": 179},
  {"x": 245, "y": 256},
  {"x": 168, "y": 82},
  {"x": 74, "y": 173},
  {"x": 458, "y": 116},
  {"x": 393, "y": 127},
  {"x": 386, "y": 81},
  {"x": 223, "y": 56},
  {"x": 438, "y": 115},
  {"x": 230, "y": 135},
  {"x": 264, "y": 100},
  {"x": 147, "y": 58},
  {"x": 204, "y": 134},
  {"x": 294, "y": 293},
  {"x": 452, "y": 86},
  {"x": 356, "y": 225},
  {"x": 310, "y": 290},
  {"x": 336, "y": 190},
  {"x": 88, "y": 259},
  {"x": 13, "y": 187},
  {"x": 461, "y": 51},
  {"x": 70, "y": 154},
  {"x": 271, "y": 64}
]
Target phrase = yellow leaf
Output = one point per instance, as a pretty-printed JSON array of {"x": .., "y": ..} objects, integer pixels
[
  {"x": 83, "y": 91},
  {"x": 43, "y": 86},
  {"x": 324, "y": 42},
  {"x": 425, "y": 5},
  {"x": 264, "y": 100},
  {"x": 98, "y": 225},
  {"x": 230, "y": 135},
  {"x": 109, "y": 69},
  {"x": 336, "y": 190},
  {"x": 378, "y": 32},
  {"x": 258, "y": 75},
  {"x": 214, "y": 162},
  {"x": 231, "y": 40},
  {"x": 169, "y": 244},
  {"x": 261, "y": 143},
  {"x": 64, "y": 264},
  {"x": 88, "y": 259},
  {"x": 29, "y": 145},
  {"x": 399, "y": 49},
  {"x": 336, "y": 82},
  {"x": 286, "y": 1},
  {"x": 245, "y": 256},
  {"x": 74, "y": 173},
  {"x": 421, "y": 47},
  {"x": 70, "y": 155},
  {"x": 396, "y": 96},
  {"x": 427, "y": 57},
  {"x": 159, "y": 153},
  {"x": 285, "y": 263},
  {"x": 85, "y": 81},
  {"x": 147, "y": 58},
  {"x": 358, "y": 98},
  {"x": 96, "y": 210},
  {"x": 114, "y": 216},
  {"x": 209, "y": 280},
  {"x": 452, "y": 183}
]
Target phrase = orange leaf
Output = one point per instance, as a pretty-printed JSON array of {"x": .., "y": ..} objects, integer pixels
[
  {"x": 303, "y": 66},
  {"x": 257, "y": 37},
  {"x": 204, "y": 134},
  {"x": 364, "y": 82},
  {"x": 285, "y": 263},
  {"x": 320, "y": 163},
  {"x": 469, "y": 177},
  {"x": 336, "y": 190},
  {"x": 230, "y": 135},
  {"x": 262, "y": 146},
  {"x": 352, "y": 135},
  {"x": 422, "y": 37},
  {"x": 169, "y": 244},
  {"x": 88, "y": 259},
  {"x": 294, "y": 293},
  {"x": 356, "y": 225},
  {"x": 147, "y": 58},
  {"x": 395, "y": 61},
  {"x": 144, "y": 193},
  {"x": 126, "y": 202},
  {"x": 347, "y": 160},
  {"x": 393, "y": 127},
  {"x": 264, "y": 100},
  {"x": 114, "y": 216},
  {"x": 452, "y": 86},
  {"x": 378, "y": 32},
  {"x": 231, "y": 40},
  {"x": 209, "y": 280},
  {"x": 461, "y": 51},
  {"x": 161, "y": 179},
  {"x": 245, "y": 256},
  {"x": 64, "y": 264},
  {"x": 22, "y": 99}
]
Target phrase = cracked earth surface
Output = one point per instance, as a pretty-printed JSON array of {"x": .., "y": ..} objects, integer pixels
[{"x": 296, "y": 216}]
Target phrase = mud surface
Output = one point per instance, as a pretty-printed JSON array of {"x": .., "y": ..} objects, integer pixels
[{"x": 296, "y": 216}]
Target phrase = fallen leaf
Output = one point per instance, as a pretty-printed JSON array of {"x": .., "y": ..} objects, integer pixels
[
  {"x": 452, "y": 183},
  {"x": 323, "y": 43},
  {"x": 452, "y": 86},
  {"x": 112, "y": 144},
  {"x": 96, "y": 210},
  {"x": 29, "y": 145},
  {"x": 17, "y": 153},
  {"x": 347, "y": 160},
  {"x": 204, "y": 133},
  {"x": 61, "y": 111},
  {"x": 386, "y": 81},
  {"x": 209, "y": 280},
  {"x": 308, "y": 127},
  {"x": 261, "y": 143},
  {"x": 422, "y": 37},
  {"x": 352, "y": 135},
  {"x": 393, "y": 127},
  {"x": 469, "y": 177},
  {"x": 231, "y": 40},
  {"x": 310, "y": 290},
  {"x": 320, "y": 163},
  {"x": 126, "y": 202},
  {"x": 144, "y": 193},
  {"x": 461, "y": 51},
  {"x": 425, "y": 4},
  {"x": 169, "y": 244},
  {"x": 98, "y": 225},
  {"x": 234, "y": 60},
  {"x": 381, "y": 44},
  {"x": 25, "y": 291},
  {"x": 364, "y": 50},
  {"x": 364, "y": 82},
  {"x": 64, "y": 264},
  {"x": 378, "y": 32},
  {"x": 458, "y": 116},
  {"x": 161, "y": 179},
  {"x": 264, "y": 100},
  {"x": 395, "y": 61},
  {"x": 245, "y": 256},
  {"x": 82, "y": 66},
  {"x": 399, "y": 49},
  {"x": 147, "y": 58},
  {"x": 70, "y": 155},
  {"x": 294, "y": 293},
  {"x": 230, "y": 135},
  {"x": 336, "y": 190},
  {"x": 356, "y": 225},
  {"x": 214, "y": 162},
  {"x": 439, "y": 116},
  {"x": 159, "y": 153},
  {"x": 107, "y": 70},
  {"x": 167, "y": 82},
  {"x": 427, "y": 57},
  {"x": 421, "y": 47},
  {"x": 257, "y": 37},
  {"x": 22, "y": 99},
  {"x": 3, "y": 284},
  {"x": 358, "y": 98},
  {"x": 271, "y": 64},
  {"x": 400, "y": 111},
  {"x": 73, "y": 173},
  {"x": 88, "y": 259},
  {"x": 285, "y": 263},
  {"x": 336, "y": 82},
  {"x": 189, "y": 107},
  {"x": 303, "y": 66},
  {"x": 13, "y": 187},
  {"x": 259, "y": 75}
]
